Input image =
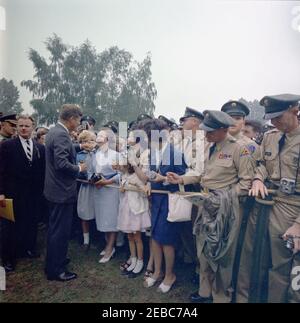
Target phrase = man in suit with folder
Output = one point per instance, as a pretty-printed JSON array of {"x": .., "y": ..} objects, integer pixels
[{"x": 22, "y": 170}]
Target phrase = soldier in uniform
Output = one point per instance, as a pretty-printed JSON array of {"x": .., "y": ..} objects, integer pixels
[
  {"x": 239, "y": 111},
  {"x": 8, "y": 126},
  {"x": 280, "y": 163},
  {"x": 228, "y": 164},
  {"x": 192, "y": 146}
]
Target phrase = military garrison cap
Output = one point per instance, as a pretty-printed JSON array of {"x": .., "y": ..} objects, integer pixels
[
  {"x": 276, "y": 105},
  {"x": 89, "y": 119},
  {"x": 170, "y": 122},
  {"x": 214, "y": 119},
  {"x": 235, "y": 108},
  {"x": 189, "y": 112},
  {"x": 9, "y": 117},
  {"x": 142, "y": 117}
]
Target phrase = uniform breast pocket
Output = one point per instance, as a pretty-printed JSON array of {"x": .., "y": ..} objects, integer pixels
[
  {"x": 224, "y": 163},
  {"x": 291, "y": 163},
  {"x": 271, "y": 159}
]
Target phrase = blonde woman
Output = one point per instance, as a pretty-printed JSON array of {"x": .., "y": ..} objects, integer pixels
[{"x": 106, "y": 198}]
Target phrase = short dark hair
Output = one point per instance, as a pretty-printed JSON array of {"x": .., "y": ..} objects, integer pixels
[
  {"x": 152, "y": 124},
  {"x": 256, "y": 125},
  {"x": 41, "y": 132},
  {"x": 70, "y": 110}
]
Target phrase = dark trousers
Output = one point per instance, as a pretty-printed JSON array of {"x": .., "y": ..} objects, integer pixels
[
  {"x": 8, "y": 242},
  {"x": 21, "y": 235},
  {"x": 60, "y": 224}
]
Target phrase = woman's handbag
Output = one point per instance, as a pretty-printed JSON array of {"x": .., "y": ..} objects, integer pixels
[{"x": 180, "y": 209}]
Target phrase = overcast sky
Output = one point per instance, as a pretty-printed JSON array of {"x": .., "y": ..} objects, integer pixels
[{"x": 203, "y": 52}]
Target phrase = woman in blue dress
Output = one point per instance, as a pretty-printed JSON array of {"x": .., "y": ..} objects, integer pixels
[
  {"x": 85, "y": 201},
  {"x": 165, "y": 235},
  {"x": 106, "y": 198}
]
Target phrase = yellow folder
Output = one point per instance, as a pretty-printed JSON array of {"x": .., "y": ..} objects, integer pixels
[{"x": 7, "y": 212}]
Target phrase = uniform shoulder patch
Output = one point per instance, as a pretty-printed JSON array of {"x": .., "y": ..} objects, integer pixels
[
  {"x": 251, "y": 148},
  {"x": 245, "y": 152}
]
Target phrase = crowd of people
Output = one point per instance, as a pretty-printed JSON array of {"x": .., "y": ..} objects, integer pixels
[{"x": 226, "y": 165}]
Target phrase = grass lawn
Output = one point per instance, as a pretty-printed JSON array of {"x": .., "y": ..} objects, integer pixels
[{"x": 96, "y": 283}]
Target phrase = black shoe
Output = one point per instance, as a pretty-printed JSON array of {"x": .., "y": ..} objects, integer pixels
[
  {"x": 9, "y": 268},
  {"x": 31, "y": 254},
  {"x": 196, "y": 298},
  {"x": 63, "y": 277}
]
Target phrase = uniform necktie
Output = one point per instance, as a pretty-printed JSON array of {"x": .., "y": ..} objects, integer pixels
[
  {"x": 28, "y": 150},
  {"x": 281, "y": 142},
  {"x": 212, "y": 149}
]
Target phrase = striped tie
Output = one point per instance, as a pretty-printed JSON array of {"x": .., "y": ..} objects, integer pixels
[{"x": 28, "y": 150}]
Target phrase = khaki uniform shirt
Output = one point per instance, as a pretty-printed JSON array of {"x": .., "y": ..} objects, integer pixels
[
  {"x": 252, "y": 146},
  {"x": 286, "y": 165},
  {"x": 193, "y": 152},
  {"x": 229, "y": 164}
]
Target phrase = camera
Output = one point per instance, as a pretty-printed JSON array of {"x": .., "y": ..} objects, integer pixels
[
  {"x": 95, "y": 178},
  {"x": 289, "y": 243},
  {"x": 287, "y": 186}
]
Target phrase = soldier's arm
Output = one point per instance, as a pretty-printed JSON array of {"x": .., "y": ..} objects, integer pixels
[
  {"x": 260, "y": 172},
  {"x": 260, "y": 175},
  {"x": 245, "y": 167}
]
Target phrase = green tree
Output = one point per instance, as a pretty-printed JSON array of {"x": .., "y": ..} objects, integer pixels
[
  {"x": 9, "y": 97},
  {"x": 256, "y": 110},
  {"x": 107, "y": 85}
]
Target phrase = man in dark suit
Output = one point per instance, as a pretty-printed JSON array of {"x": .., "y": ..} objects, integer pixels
[
  {"x": 60, "y": 190},
  {"x": 22, "y": 170}
]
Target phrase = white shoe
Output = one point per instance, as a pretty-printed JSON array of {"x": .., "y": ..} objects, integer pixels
[
  {"x": 102, "y": 253},
  {"x": 104, "y": 260},
  {"x": 163, "y": 288},
  {"x": 149, "y": 282}
]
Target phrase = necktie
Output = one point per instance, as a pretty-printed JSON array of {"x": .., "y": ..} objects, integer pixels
[
  {"x": 281, "y": 142},
  {"x": 28, "y": 150},
  {"x": 212, "y": 149}
]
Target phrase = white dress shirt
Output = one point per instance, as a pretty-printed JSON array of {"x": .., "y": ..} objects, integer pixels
[{"x": 24, "y": 145}]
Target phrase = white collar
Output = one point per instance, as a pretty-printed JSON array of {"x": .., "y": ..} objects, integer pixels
[
  {"x": 24, "y": 140},
  {"x": 60, "y": 123}
]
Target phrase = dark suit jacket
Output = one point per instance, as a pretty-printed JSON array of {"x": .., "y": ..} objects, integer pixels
[
  {"x": 172, "y": 161},
  {"x": 61, "y": 168},
  {"x": 17, "y": 176}
]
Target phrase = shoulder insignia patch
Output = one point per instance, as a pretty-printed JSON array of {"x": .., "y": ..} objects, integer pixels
[
  {"x": 245, "y": 152},
  {"x": 252, "y": 148}
]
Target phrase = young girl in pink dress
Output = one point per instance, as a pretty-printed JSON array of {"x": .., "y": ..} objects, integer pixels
[{"x": 134, "y": 217}]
